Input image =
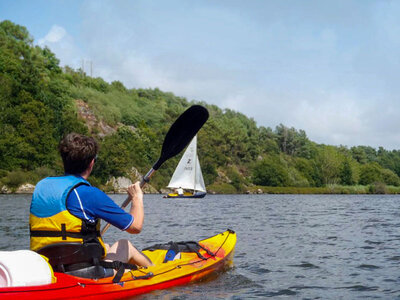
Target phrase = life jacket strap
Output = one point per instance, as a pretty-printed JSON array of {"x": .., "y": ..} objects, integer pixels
[{"x": 63, "y": 233}]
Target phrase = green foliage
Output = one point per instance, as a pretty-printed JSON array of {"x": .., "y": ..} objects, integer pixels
[
  {"x": 209, "y": 172},
  {"x": 237, "y": 179},
  {"x": 329, "y": 189},
  {"x": 370, "y": 173},
  {"x": 34, "y": 102},
  {"x": 373, "y": 173},
  {"x": 42, "y": 172},
  {"x": 267, "y": 141},
  {"x": 377, "y": 188},
  {"x": 114, "y": 157},
  {"x": 38, "y": 106},
  {"x": 346, "y": 173},
  {"x": 309, "y": 171},
  {"x": 293, "y": 142},
  {"x": 270, "y": 172},
  {"x": 390, "y": 178},
  {"x": 15, "y": 178},
  {"x": 117, "y": 85},
  {"x": 222, "y": 188},
  {"x": 389, "y": 159},
  {"x": 329, "y": 162},
  {"x": 393, "y": 189},
  {"x": 364, "y": 154},
  {"x": 15, "y": 32},
  {"x": 296, "y": 178}
]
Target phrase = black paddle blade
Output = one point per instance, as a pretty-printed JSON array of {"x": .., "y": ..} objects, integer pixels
[{"x": 182, "y": 132}]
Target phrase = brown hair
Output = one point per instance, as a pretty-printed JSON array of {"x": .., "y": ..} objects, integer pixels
[{"x": 77, "y": 151}]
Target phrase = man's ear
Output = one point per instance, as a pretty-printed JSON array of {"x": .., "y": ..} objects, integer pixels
[{"x": 91, "y": 163}]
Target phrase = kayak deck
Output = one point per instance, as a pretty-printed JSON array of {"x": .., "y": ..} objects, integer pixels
[{"x": 189, "y": 268}]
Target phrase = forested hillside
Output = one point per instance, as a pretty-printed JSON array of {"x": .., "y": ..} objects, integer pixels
[{"x": 40, "y": 102}]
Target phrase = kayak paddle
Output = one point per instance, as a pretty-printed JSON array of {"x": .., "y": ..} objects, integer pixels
[{"x": 177, "y": 138}]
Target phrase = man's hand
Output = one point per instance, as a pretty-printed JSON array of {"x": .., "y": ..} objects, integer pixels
[{"x": 135, "y": 192}]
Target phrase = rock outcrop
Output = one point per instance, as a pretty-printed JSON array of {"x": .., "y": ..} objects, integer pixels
[
  {"x": 26, "y": 188},
  {"x": 91, "y": 120},
  {"x": 5, "y": 190},
  {"x": 120, "y": 185}
]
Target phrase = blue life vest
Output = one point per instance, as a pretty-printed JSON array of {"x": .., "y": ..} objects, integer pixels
[
  {"x": 51, "y": 193},
  {"x": 50, "y": 221}
]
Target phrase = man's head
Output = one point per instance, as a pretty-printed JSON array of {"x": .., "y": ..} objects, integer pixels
[{"x": 77, "y": 152}]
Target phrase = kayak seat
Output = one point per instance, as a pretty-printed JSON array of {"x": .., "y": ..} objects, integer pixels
[
  {"x": 77, "y": 259},
  {"x": 83, "y": 260},
  {"x": 64, "y": 254}
]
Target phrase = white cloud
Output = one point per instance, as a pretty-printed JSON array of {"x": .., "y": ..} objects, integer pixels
[
  {"x": 337, "y": 119},
  {"x": 55, "y": 34},
  {"x": 63, "y": 45}
]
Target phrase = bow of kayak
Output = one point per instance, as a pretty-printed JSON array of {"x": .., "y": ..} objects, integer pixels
[{"x": 215, "y": 254}]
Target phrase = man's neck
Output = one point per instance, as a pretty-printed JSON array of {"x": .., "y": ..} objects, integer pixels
[{"x": 85, "y": 174}]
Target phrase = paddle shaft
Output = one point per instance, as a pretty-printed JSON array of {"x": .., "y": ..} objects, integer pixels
[{"x": 143, "y": 182}]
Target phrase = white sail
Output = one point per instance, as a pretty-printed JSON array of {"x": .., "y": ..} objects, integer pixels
[{"x": 188, "y": 174}]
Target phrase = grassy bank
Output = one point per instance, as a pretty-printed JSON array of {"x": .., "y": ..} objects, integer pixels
[{"x": 377, "y": 188}]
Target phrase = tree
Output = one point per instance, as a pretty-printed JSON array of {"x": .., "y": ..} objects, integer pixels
[
  {"x": 329, "y": 162},
  {"x": 346, "y": 173},
  {"x": 370, "y": 173},
  {"x": 390, "y": 177},
  {"x": 293, "y": 142},
  {"x": 269, "y": 172},
  {"x": 309, "y": 170},
  {"x": 16, "y": 32}
]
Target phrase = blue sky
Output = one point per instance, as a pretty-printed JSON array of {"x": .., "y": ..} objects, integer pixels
[{"x": 328, "y": 67}]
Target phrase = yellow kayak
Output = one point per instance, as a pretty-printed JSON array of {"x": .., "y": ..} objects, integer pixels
[{"x": 189, "y": 262}]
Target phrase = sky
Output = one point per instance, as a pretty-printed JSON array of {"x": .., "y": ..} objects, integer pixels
[{"x": 331, "y": 67}]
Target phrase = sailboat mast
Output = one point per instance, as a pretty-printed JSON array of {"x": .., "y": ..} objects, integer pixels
[{"x": 195, "y": 157}]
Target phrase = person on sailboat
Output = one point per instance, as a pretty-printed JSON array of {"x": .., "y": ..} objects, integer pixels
[
  {"x": 67, "y": 209},
  {"x": 179, "y": 191}
]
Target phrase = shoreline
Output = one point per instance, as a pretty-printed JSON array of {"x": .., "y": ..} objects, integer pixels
[
  {"x": 280, "y": 191},
  {"x": 374, "y": 189},
  {"x": 228, "y": 189}
]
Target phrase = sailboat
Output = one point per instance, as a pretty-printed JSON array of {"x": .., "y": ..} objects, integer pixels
[{"x": 188, "y": 176}]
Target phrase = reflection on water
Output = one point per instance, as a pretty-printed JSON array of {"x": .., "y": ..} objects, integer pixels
[{"x": 289, "y": 246}]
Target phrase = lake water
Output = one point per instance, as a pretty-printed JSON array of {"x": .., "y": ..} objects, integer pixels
[{"x": 289, "y": 246}]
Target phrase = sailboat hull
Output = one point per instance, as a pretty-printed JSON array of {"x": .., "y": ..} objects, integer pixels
[{"x": 187, "y": 195}]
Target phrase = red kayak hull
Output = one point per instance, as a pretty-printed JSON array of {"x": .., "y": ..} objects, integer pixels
[{"x": 183, "y": 271}]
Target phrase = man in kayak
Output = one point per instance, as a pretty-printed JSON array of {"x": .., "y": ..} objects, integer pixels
[{"x": 66, "y": 211}]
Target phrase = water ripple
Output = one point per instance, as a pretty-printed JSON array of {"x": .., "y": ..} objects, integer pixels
[
  {"x": 368, "y": 267},
  {"x": 396, "y": 258},
  {"x": 284, "y": 292},
  {"x": 359, "y": 288},
  {"x": 305, "y": 265}
]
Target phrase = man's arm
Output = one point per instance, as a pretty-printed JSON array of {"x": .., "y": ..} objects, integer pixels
[{"x": 135, "y": 194}]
